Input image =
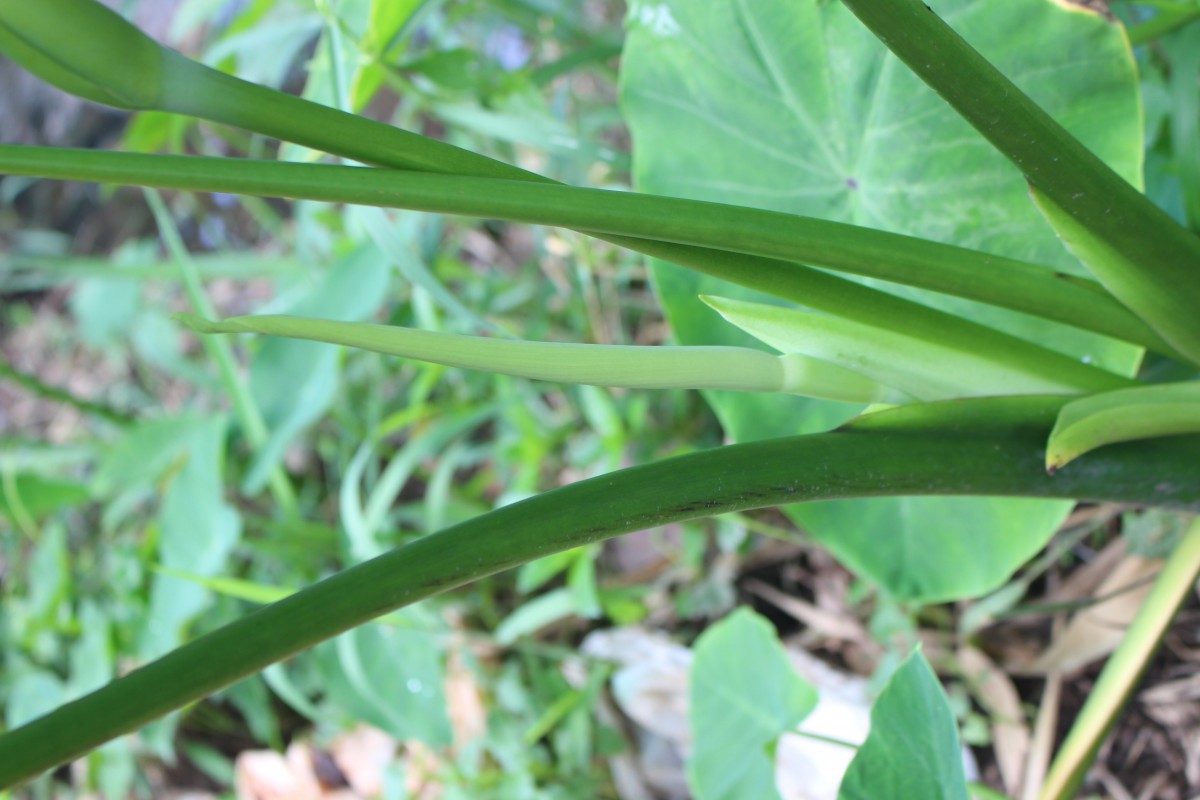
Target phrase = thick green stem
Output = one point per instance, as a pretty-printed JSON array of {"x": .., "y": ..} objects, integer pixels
[
  {"x": 1160, "y": 276},
  {"x": 49, "y": 39},
  {"x": 711, "y": 225},
  {"x": 694, "y": 233},
  {"x": 970, "y": 447}
]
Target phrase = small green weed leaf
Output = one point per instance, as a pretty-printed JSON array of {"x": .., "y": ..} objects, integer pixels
[
  {"x": 398, "y": 239},
  {"x": 1123, "y": 415},
  {"x": 142, "y": 453},
  {"x": 744, "y": 695},
  {"x": 38, "y": 495},
  {"x": 804, "y": 111},
  {"x": 384, "y": 24},
  {"x": 533, "y": 575},
  {"x": 1153, "y": 532},
  {"x": 91, "y": 655},
  {"x": 1123, "y": 278},
  {"x": 34, "y": 692},
  {"x": 920, "y": 369},
  {"x": 913, "y": 748},
  {"x": 197, "y": 532},
  {"x": 536, "y": 613},
  {"x": 105, "y": 308},
  {"x": 389, "y": 677},
  {"x": 49, "y": 576}
]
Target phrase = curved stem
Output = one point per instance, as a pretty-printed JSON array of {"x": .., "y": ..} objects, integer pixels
[
  {"x": 712, "y": 226},
  {"x": 972, "y": 447}
]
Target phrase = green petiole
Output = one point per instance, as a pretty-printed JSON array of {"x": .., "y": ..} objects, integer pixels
[{"x": 925, "y": 370}]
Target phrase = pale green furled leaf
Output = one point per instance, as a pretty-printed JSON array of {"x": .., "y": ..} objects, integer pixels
[
  {"x": 792, "y": 105},
  {"x": 913, "y": 748},
  {"x": 1124, "y": 415},
  {"x": 923, "y": 370},
  {"x": 744, "y": 695},
  {"x": 731, "y": 368}
]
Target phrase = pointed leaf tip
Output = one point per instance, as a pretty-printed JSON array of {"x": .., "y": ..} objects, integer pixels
[
  {"x": 197, "y": 324},
  {"x": 1144, "y": 412}
]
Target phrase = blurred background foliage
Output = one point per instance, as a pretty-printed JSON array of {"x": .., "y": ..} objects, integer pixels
[
  {"x": 142, "y": 506},
  {"x": 153, "y": 487}
]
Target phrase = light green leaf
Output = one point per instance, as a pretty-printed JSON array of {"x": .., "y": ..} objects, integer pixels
[
  {"x": 923, "y": 370},
  {"x": 33, "y": 693},
  {"x": 913, "y": 749},
  {"x": 1123, "y": 416},
  {"x": 744, "y": 695},
  {"x": 792, "y": 105},
  {"x": 197, "y": 532},
  {"x": 385, "y": 23}
]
